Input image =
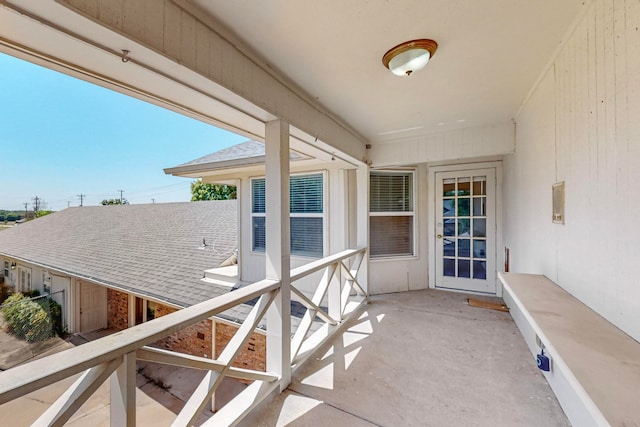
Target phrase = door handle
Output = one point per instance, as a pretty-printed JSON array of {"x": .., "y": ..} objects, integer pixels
[{"x": 439, "y": 236}]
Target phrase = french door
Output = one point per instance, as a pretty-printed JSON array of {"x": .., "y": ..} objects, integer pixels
[{"x": 465, "y": 233}]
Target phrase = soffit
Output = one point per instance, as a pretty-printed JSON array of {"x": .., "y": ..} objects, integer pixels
[{"x": 489, "y": 57}]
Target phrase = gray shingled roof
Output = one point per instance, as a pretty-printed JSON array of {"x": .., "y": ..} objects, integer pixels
[
  {"x": 243, "y": 154},
  {"x": 245, "y": 150},
  {"x": 154, "y": 250}
]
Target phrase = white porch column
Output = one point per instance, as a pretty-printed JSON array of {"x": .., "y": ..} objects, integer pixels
[
  {"x": 362, "y": 219},
  {"x": 278, "y": 251},
  {"x": 123, "y": 392},
  {"x": 338, "y": 229}
]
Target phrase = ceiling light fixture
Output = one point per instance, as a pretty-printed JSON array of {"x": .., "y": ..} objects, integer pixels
[{"x": 409, "y": 56}]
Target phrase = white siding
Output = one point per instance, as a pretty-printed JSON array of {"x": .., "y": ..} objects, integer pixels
[
  {"x": 581, "y": 126},
  {"x": 466, "y": 143}
]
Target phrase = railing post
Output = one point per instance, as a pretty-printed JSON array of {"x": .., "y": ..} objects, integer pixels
[
  {"x": 362, "y": 216},
  {"x": 278, "y": 251},
  {"x": 334, "y": 292},
  {"x": 123, "y": 392}
]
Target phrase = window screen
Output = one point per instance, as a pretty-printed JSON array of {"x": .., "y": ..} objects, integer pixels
[{"x": 391, "y": 214}]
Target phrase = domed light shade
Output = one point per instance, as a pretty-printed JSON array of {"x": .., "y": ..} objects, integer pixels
[{"x": 409, "y": 56}]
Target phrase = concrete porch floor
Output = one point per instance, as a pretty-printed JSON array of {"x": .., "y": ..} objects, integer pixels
[{"x": 422, "y": 358}]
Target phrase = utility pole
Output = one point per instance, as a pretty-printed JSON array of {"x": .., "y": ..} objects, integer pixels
[
  {"x": 153, "y": 201},
  {"x": 36, "y": 205},
  {"x": 26, "y": 211},
  {"x": 121, "y": 191},
  {"x": 81, "y": 197},
  {"x": 68, "y": 203}
]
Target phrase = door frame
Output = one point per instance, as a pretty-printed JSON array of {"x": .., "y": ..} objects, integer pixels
[
  {"x": 431, "y": 210},
  {"x": 104, "y": 306}
]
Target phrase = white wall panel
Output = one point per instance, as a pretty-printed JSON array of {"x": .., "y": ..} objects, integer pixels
[
  {"x": 456, "y": 144},
  {"x": 581, "y": 126}
]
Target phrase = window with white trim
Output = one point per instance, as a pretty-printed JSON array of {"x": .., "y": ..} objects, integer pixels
[
  {"x": 307, "y": 214},
  {"x": 391, "y": 214}
]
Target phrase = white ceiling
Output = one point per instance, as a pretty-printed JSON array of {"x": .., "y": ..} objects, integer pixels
[{"x": 490, "y": 54}]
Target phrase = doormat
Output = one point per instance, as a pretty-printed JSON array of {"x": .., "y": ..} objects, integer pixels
[{"x": 487, "y": 304}]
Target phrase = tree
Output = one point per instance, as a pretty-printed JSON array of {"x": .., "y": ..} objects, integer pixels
[
  {"x": 106, "y": 202},
  {"x": 202, "y": 191}
]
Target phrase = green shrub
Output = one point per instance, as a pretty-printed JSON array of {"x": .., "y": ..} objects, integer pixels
[
  {"x": 27, "y": 319},
  {"x": 4, "y": 290},
  {"x": 31, "y": 294},
  {"x": 55, "y": 312}
]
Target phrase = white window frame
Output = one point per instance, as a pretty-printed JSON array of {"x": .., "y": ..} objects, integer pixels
[
  {"x": 6, "y": 269},
  {"x": 412, "y": 213},
  {"x": 322, "y": 215}
]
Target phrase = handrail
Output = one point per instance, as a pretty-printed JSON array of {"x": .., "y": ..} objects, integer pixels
[
  {"x": 307, "y": 269},
  {"x": 24, "y": 379},
  {"x": 115, "y": 355}
]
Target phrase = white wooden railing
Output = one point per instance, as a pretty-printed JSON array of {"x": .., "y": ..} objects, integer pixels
[{"x": 115, "y": 356}]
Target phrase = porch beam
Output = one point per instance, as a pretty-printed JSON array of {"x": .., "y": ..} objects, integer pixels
[
  {"x": 278, "y": 249},
  {"x": 163, "y": 42}
]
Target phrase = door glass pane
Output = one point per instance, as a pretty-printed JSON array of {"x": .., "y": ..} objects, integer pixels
[
  {"x": 479, "y": 248},
  {"x": 464, "y": 186},
  {"x": 449, "y": 207},
  {"x": 449, "y": 187},
  {"x": 464, "y": 248},
  {"x": 463, "y": 227},
  {"x": 479, "y": 185},
  {"x": 480, "y": 270},
  {"x": 449, "y": 227},
  {"x": 464, "y": 268},
  {"x": 479, "y": 206},
  {"x": 479, "y": 227},
  {"x": 449, "y": 247},
  {"x": 449, "y": 267},
  {"x": 464, "y": 207}
]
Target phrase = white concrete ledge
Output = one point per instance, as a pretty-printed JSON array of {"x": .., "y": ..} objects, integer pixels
[{"x": 595, "y": 367}]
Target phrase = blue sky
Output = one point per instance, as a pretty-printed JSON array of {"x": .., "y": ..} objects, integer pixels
[{"x": 61, "y": 137}]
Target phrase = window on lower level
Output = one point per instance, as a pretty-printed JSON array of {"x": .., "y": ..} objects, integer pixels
[
  {"x": 391, "y": 214},
  {"x": 307, "y": 214}
]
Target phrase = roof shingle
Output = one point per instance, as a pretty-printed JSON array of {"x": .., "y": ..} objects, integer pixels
[{"x": 154, "y": 249}]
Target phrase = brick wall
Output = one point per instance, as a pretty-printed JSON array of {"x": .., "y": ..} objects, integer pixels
[
  {"x": 118, "y": 310},
  {"x": 252, "y": 356},
  {"x": 194, "y": 340}
]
